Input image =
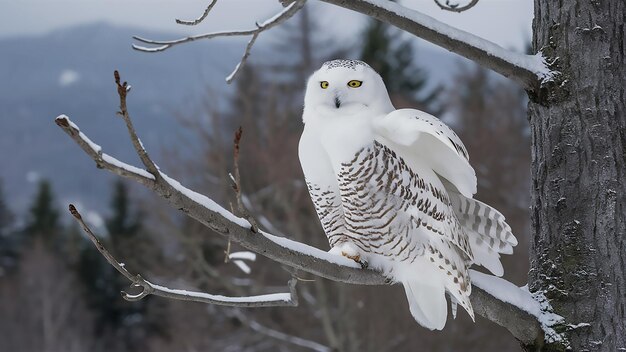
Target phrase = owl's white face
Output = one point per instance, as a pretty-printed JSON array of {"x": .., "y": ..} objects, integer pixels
[{"x": 346, "y": 87}]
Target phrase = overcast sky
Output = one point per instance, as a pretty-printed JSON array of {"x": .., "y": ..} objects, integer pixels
[{"x": 506, "y": 22}]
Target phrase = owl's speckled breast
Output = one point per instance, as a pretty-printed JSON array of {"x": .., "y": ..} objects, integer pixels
[{"x": 397, "y": 215}]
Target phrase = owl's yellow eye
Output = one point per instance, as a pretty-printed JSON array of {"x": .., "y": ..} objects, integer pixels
[
  {"x": 324, "y": 84},
  {"x": 354, "y": 83}
]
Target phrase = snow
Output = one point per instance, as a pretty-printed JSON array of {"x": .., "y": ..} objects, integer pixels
[
  {"x": 230, "y": 77},
  {"x": 273, "y": 297},
  {"x": 68, "y": 77},
  {"x": 577, "y": 326},
  {"x": 95, "y": 147},
  {"x": 206, "y": 202},
  {"x": 243, "y": 266},
  {"x": 245, "y": 255},
  {"x": 69, "y": 122},
  {"x": 32, "y": 176},
  {"x": 130, "y": 168},
  {"x": 506, "y": 292},
  {"x": 239, "y": 257},
  {"x": 278, "y": 15},
  {"x": 94, "y": 219},
  {"x": 535, "y": 304},
  {"x": 146, "y": 49},
  {"x": 105, "y": 157},
  {"x": 534, "y": 63},
  {"x": 311, "y": 251}
]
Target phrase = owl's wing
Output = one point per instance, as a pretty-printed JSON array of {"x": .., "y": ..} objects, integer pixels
[
  {"x": 403, "y": 213},
  {"x": 420, "y": 137}
]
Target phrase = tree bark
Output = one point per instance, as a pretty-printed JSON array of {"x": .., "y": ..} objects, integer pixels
[{"x": 578, "y": 251}]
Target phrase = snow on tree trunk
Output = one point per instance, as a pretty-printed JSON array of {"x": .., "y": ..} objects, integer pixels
[{"x": 578, "y": 254}]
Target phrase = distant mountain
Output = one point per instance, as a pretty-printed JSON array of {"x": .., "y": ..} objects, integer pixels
[{"x": 70, "y": 72}]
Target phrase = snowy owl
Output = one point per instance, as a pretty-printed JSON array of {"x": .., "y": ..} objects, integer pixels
[{"x": 393, "y": 190}]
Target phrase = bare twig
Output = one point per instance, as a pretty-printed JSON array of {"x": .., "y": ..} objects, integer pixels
[
  {"x": 199, "y": 19},
  {"x": 295, "y": 340},
  {"x": 236, "y": 180},
  {"x": 227, "y": 253},
  {"x": 455, "y": 7},
  {"x": 148, "y": 288},
  {"x": 284, "y": 15},
  {"x": 122, "y": 91},
  {"x": 243, "y": 60}
]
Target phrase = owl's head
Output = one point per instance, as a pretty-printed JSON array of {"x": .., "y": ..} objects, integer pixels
[{"x": 346, "y": 87}]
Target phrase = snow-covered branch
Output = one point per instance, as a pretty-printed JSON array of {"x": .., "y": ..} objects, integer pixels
[
  {"x": 103, "y": 160},
  {"x": 524, "y": 325},
  {"x": 284, "y": 15},
  {"x": 511, "y": 307},
  {"x": 149, "y": 288},
  {"x": 530, "y": 71}
]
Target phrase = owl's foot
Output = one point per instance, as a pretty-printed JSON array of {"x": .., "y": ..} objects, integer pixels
[{"x": 349, "y": 251}]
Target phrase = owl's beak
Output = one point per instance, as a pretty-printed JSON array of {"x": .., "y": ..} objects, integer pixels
[{"x": 337, "y": 102}]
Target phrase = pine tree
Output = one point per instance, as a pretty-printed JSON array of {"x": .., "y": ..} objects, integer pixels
[
  {"x": 44, "y": 217},
  {"x": 6, "y": 217},
  {"x": 8, "y": 245},
  {"x": 393, "y": 59},
  {"x": 123, "y": 226},
  {"x": 103, "y": 283},
  {"x": 121, "y": 221}
]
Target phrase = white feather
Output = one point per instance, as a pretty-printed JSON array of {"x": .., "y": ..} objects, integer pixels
[
  {"x": 423, "y": 138},
  {"x": 342, "y": 121}
]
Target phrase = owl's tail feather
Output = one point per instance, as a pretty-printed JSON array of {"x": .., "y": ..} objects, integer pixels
[
  {"x": 427, "y": 303},
  {"x": 489, "y": 234}
]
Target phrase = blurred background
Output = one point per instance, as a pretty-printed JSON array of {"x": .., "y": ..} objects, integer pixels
[{"x": 57, "y": 57}]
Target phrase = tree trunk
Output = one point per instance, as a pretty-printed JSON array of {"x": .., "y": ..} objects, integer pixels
[{"x": 578, "y": 253}]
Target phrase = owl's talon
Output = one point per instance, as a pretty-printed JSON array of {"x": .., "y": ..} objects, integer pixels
[
  {"x": 349, "y": 251},
  {"x": 356, "y": 258}
]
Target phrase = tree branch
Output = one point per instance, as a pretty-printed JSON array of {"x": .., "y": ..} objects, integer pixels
[
  {"x": 103, "y": 160},
  {"x": 201, "y": 18},
  {"x": 455, "y": 7},
  {"x": 284, "y": 15},
  {"x": 530, "y": 71},
  {"x": 148, "y": 288},
  {"x": 524, "y": 325},
  {"x": 298, "y": 341},
  {"x": 122, "y": 91},
  {"x": 236, "y": 179}
]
